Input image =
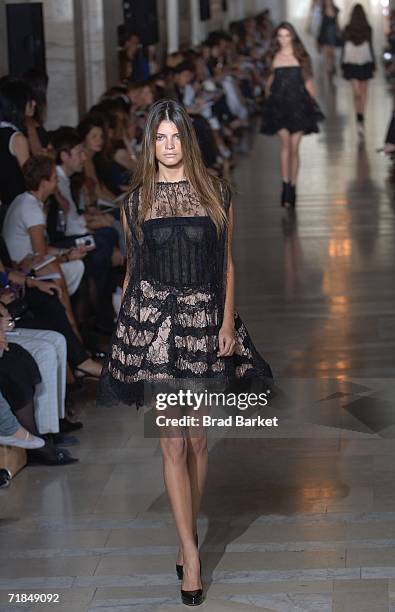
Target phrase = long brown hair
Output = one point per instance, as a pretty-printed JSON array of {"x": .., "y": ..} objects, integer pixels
[
  {"x": 298, "y": 48},
  {"x": 208, "y": 187},
  {"x": 358, "y": 30}
]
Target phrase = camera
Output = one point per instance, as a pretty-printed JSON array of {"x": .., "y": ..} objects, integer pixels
[{"x": 86, "y": 241}]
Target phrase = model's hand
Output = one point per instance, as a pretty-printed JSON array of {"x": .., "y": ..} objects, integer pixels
[{"x": 226, "y": 341}]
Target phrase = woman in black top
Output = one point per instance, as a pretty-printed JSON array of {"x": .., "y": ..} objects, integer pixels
[
  {"x": 177, "y": 321},
  {"x": 15, "y": 99},
  {"x": 328, "y": 37}
]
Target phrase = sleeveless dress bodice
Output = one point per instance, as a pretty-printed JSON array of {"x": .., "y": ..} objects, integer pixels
[
  {"x": 180, "y": 251},
  {"x": 286, "y": 79}
]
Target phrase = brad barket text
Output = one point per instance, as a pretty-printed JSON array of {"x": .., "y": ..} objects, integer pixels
[{"x": 207, "y": 421}]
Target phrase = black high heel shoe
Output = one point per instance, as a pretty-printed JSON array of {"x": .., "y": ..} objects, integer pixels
[
  {"x": 292, "y": 193},
  {"x": 286, "y": 195},
  {"x": 193, "y": 598},
  {"x": 179, "y": 568}
]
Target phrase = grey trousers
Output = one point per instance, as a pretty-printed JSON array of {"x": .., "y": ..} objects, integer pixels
[{"x": 50, "y": 353}]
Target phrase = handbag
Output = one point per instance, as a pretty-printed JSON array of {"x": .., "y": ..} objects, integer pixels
[{"x": 18, "y": 308}]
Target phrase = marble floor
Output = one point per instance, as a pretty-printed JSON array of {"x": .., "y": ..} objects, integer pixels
[{"x": 303, "y": 520}]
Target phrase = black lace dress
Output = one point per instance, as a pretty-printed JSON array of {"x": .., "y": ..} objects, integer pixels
[
  {"x": 289, "y": 105},
  {"x": 172, "y": 309}
]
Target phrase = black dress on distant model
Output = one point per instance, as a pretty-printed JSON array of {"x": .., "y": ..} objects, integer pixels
[
  {"x": 329, "y": 31},
  {"x": 289, "y": 105}
]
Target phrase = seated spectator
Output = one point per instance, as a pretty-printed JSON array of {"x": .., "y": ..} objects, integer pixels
[
  {"x": 183, "y": 76},
  {"x": 36, "y": 306},
  {"x": 133, "y": 59},
  {"x": 19, "y": 376},
  {"x": 24, "y": 229},
  {"x": 70, "y": 158},
  {"x": 49, "y": 350},
  {"x": 15, "y": 101},
  {"x": 35, "y": 116},
  {"x": 91, "y": 131},
  {"x": 11, "y": 431},
  {"x": 116, "y": 162}
]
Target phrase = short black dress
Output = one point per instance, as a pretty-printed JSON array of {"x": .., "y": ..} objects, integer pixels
[
  {"x": 289, "y": 105},
  {"x": 172, "y": 309},
  {"x": 329, "y": 33}
]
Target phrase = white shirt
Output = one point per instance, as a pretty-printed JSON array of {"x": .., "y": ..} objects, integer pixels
[
  {"x": 75, "y": 223},
  {"x": 25, "y": 212},
  {"x": 357, "y": 54}
]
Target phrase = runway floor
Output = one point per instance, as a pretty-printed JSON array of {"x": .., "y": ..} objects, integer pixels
[{"x": 303, "y": 520}]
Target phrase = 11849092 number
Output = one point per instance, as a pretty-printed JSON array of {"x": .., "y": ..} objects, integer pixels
[{"x": 33, "y": 597}]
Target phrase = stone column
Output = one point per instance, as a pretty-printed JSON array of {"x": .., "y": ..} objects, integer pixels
[
  {"x": 112, "y": 18},
  {"x": 172, "y": 26},
  {"x": 198, "y": 27},
  {"x": 3, "y": 40}
]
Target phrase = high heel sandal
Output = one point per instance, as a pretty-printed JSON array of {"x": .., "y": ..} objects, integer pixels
[
  {"x": 195, "y": 597},
  {"x": 286, "y": 195},
  {"x": 179, "y": 568},
  {"x": 292, "y": 191}
]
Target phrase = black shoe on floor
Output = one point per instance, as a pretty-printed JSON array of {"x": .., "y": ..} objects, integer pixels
[
  {"x": 61, "y": 439},
  {"x": 292, "y": 195},
  {"x": 50, "y": 456},
  {"x": 66, "y": 426},
  {"x": 286, "y": 195}
]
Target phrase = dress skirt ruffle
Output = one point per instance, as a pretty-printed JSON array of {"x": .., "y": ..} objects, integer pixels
[{"x": 175, "y": 337}]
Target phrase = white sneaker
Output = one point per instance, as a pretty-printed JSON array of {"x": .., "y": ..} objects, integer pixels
[{"x": 28, "y": 442}]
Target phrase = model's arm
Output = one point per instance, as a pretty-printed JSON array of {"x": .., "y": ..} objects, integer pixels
[
  {"x": 128, "y": 238},
  {"x": 309, "y": 84},
  {"x": 226, "y": 337},
  {"x": 268, "y": 85}
]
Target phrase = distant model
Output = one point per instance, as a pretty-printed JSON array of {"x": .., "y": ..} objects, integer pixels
[
  {"x": 290, "y": 109},
  {"x": 329, "y": 35},
  {"x": 358, "y": 61}
]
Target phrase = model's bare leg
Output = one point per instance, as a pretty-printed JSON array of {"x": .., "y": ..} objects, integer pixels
[
  {"x": 178, "y": 486},
  {"x": 364, "y": 85},
  {"x": 295, "y": 156},
  {"x": 360, "y": 92},
  {"x": 358, "y": 100},
  {"x": 330, "y": 57},
  {"x": 285, "y": 154},
  {"x": 197, "y": 462}
]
